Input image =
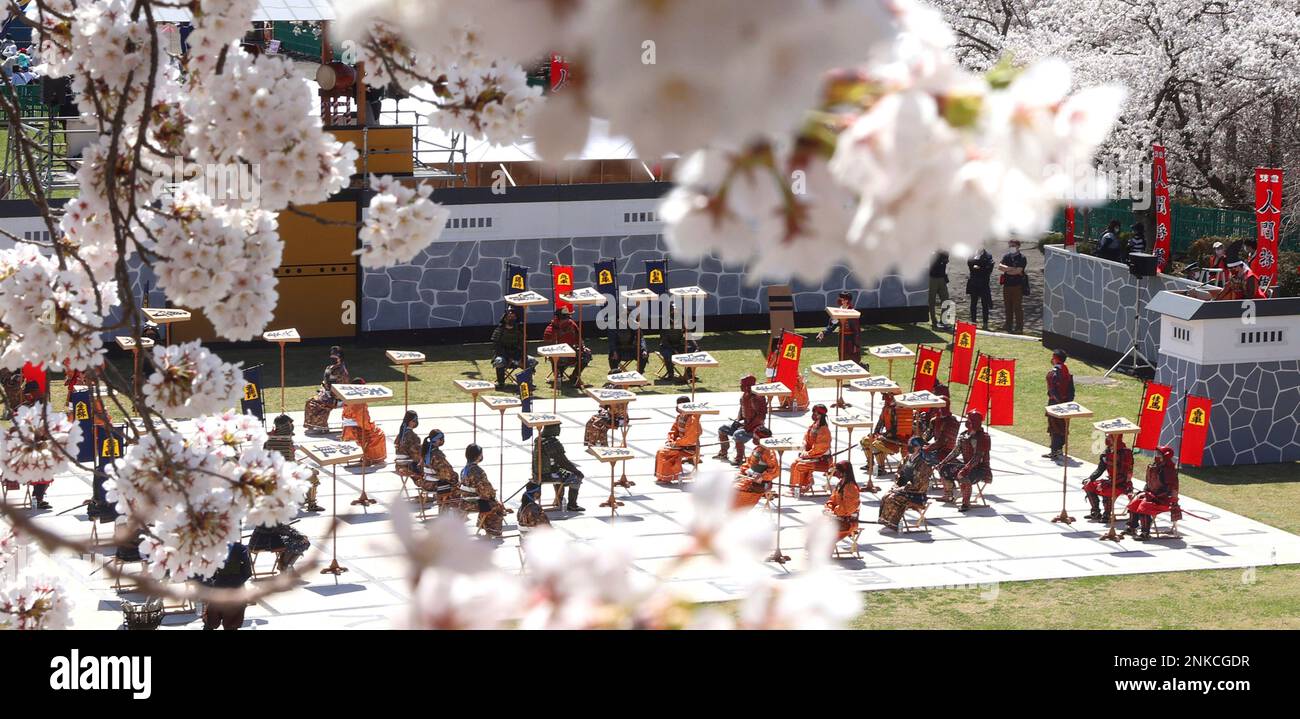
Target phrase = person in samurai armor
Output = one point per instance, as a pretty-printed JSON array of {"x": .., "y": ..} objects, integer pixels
[
  {"x": 968, "y": 463},
  {"x": 556, "y": 467},
  {"x": 757, "y": 473},
  {"x": 845, "y": 500},
  {"x": 1060, "y": 388},
  {"x": 892, "y": 431},
  {"x": 491, "y": 513},
  {"x": 290, "y": 543},
  {"x": 815, "y": 456},
  {"x": 752, "y": 412},
  {"x": 406, "y": 447},
  {"x": 683, "y": 441},
  {"x": 912, "y": 486},
  {"x": 563, "y": 330},
  {"x": 673, "y": 341},
  {"x": 531, "y": 513},
  {"x": 1159, "y": 495},
  {"x": 316, "y": 414},
  {"x": 507, "y": 345},
  {"x": 438, "y": 476},
  {"x": 623, "y": 348},
  {"x": 851, "y": 345},
  {"x": 280, "y": 439},
  {"x": 1101, "y": 492}
]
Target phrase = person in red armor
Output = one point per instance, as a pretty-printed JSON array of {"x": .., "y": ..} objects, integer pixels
[
  {"x": 816, "y": 454},
  {"x": 968, "y": 463},
  {"x": 753, "y": 410},
  {"x": 1060, "y": 388},
  {"x": 1101, "y": 492},
  {"x": 563, "y": 330},
  {"x": 1242, "y": 283},
  {"x": 944, "y": 427},
  {"x": 1159, "y": 495}
]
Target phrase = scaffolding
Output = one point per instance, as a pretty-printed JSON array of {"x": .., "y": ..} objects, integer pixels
[{"x": 54, "y": 142}]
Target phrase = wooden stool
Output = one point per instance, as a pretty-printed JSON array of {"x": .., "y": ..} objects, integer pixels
[{"x": 275, "y": 567}]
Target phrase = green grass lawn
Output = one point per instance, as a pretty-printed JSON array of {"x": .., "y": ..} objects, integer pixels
[{"x": 1205, "y": 599}]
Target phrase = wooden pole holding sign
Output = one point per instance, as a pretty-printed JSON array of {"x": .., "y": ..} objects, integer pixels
[
  {"x": 780, "y": 445},
  {"x": 282, "y": 337},
  {"x": 332, "y": 454},
  {"x": 129, "y": 343},
  {"x": 405, "y": 358},
  {"x": 473, "y": 387},
  {"x": 1067, "y": 411},
  {"x": 1120, "y": 426},
  {"x": 362, "y": 394},
  {"x": 524, "y": 300},
  {"x": 555, "y": 353},
  {"x": 501, "y": 403},
  {"x": 580, "y": 298}
]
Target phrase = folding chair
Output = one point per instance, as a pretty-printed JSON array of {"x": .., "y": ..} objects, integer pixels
[
  {"x": 919, "y": 509},
  {"x": 253, "y": 554},
  {"x": 1170, "y": 532},
  {"x": 838, "y": 551}
]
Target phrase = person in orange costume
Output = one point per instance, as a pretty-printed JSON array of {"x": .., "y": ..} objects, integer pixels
[
  {"x": 798, "y": 399},
  {"x": 359, "y": 428},
  {"x": 816, "y": 448},
  {"x": 844, "y": 500},
  {"x": 758, "y": 472},
  {"x": 683, "y": 439}
]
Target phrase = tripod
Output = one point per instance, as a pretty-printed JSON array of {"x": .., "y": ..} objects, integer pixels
[{"x": 1134, "y": 355}]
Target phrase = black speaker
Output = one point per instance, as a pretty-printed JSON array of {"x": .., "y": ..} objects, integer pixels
[{"x": 1142, "y": 264}]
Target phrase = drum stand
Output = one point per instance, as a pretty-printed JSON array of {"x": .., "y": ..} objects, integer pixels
[
  {"x": 364, "y": 500},
  {"x": 1064, "y": 516},
  {"x": 777, "y": 556},
  {"x": 334, "y": 567}
]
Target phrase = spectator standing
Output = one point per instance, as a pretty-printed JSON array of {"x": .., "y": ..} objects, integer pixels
[
  {"x": 978, "y": 285},
  {"x": 1110, "y": 247},
  {"x": 938, "y": 289},
  {"x": 1013, "y": 282},
  {"x": 1138, "y": 242}
]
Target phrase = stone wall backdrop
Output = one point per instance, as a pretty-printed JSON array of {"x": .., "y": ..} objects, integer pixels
[
  {"x": 1091, "y": 300},
  {"x": 1256, "y": 414},
  {"x": 459, "y": 284}
]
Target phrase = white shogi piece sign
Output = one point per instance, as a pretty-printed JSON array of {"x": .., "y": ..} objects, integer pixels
[
  {"x": 1119, "y": 425},
  {"x": 641, "y": 295},
  {"x": 585, "y": 296},
  {"x": 327, "y": 452},
  {"x": 473, "y": 387},
  {"x": 165, "y": 315},
  {"x": 771, "y": 389},
  {"x": 852, "y": 421},
  {"x": 891, "y": 352},
  {"x": 920, "y": 400},
  {"x": 527, "y": 298},
  {"x": 697, "y": 408},
  {"x": 627, "y": 379},
  {"x": 1068, "y": 410},
  {"x": 695, "y": 359},
  {"x": 611, "y": 396},
  {"x": 784, "y": 443},
  {"x": 610, "y": 455},
  {"x": 539, "y": 419},
  {"x": 404, "y": 357},
  {"x": 361, "y": 393},
  {"x": 128, "y": 343},
  {"x": 688, "y": 293},
  {"x": 556, "y": 352},
  {"x": 843, "y": 313},
  {"x": 500, "y": 402},
  {"x": 840, "y": 371},
  {"x": 875, "y": 384},
  {"x": 285, "y": 335}
]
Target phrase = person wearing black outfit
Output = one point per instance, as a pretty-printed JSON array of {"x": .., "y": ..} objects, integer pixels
[
  {"x": 1110, "y": 247},
  {"x": 978, "y": 286},
  {"x": 1014, "y": 284},
  {"x": 938, "y": 289},
  {"x": 237, "y": 570}
]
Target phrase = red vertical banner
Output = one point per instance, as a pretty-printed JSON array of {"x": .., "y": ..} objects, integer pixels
[
  {"x": 978, "y": 396},
  {"x": 1155, "y": 401},
  {"x": 963, "y": 350},
  {"x": 1163, "y": 247},
  {"x": 787, "y": 363},
  {"x": 1069, "y": 226},
  {"x": 1196, "y": 428},
  {"x": 1268, "y": 223},
  {"x": 1002, "y": 392},
  {"x": 559, "y": 71},
  {"x": 562, "y": 283},
  {"x": 927, "y": 368}
]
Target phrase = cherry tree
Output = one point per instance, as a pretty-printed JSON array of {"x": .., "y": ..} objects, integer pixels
[{"x": 813, "y": 132}]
